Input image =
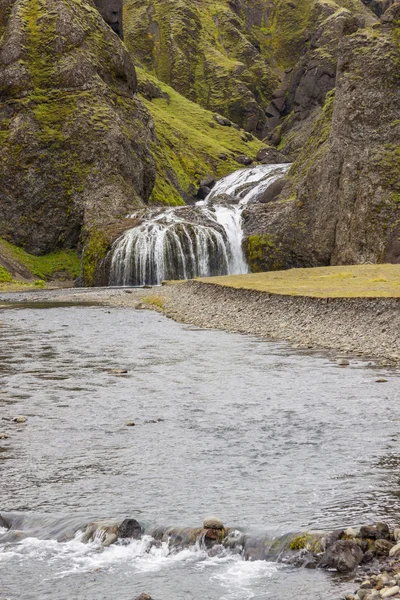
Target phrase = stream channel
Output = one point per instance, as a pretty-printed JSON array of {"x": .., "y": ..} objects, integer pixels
[{"x": 272, "y": 440}]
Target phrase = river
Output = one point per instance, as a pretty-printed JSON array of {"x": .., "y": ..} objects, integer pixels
[{"x": 269, "y": 439}]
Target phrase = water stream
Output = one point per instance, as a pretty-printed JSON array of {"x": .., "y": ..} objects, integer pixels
[
  {"x": 188, "y": 242},
  {"x": 271, "y": 440}
]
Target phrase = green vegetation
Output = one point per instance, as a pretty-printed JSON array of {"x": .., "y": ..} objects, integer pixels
[
  {"x": 299, "y": 542},
  {"x": 96, "y": 248},
  {"x": 360, "y": 281},
  {"x": 43, "y": 267},
  {"x": 263, "y": 250},
  {"x": 189, "y": 142},
  {"x": 156, "y": 301},
  {"x": 5, "y": 275}
]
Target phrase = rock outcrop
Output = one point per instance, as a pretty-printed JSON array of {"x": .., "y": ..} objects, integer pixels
[
  {"x": 111, "y": 11},
  {"x": 74, "y": 137},
  {"x": 341, "y": 205}
]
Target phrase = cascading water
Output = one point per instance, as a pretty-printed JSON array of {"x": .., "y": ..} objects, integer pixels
[{"x": 188, "y": 242}]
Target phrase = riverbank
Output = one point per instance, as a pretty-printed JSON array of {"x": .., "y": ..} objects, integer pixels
[{"x": 355, "y": 326}]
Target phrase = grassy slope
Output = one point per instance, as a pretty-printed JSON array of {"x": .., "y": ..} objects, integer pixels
[
  {"x": 361, "y": 281},
  {"x": 42, "y": 268},
  {"x": 189, "y": 143}
]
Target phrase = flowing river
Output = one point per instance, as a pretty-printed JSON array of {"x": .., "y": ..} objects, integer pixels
[{"x": 270, "y": 439}]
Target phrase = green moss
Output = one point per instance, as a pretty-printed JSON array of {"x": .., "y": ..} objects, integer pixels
[
  {"x": 188, "y": 144},
  {"x": 96, "y": 248},
  {"x": 263, "y": 253},
  {"x": 299, "y": 542},
  {"x": 44, "y": 267},
  {"x": 4, "y": 275},
  {"x": 289, "y": 22}
]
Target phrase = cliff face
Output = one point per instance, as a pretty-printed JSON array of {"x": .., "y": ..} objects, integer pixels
[
  {"x": 74, "y": 138},
  {"x": 341, "y": 202}
]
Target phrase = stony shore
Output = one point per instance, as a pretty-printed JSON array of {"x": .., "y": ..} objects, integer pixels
[{"x": 367, "y": 327}]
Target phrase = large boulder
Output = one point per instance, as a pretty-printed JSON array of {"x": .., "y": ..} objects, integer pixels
[
  {"x": 343, "y": 555},
  {"x": 74, "y": 137}
]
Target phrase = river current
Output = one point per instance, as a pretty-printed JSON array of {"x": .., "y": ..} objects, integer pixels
[{"x": 270, "y": 439}]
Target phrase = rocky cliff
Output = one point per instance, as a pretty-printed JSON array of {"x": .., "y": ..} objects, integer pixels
[
  {"x": 341, "y": 201},
  {"x": 74, "y": 137}
]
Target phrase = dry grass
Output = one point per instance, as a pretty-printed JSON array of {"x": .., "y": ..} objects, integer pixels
[{"x": 359, "y": 281}]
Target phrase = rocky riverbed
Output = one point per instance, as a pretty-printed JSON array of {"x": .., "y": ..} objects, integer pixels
[{"x": 357, "y": 326}]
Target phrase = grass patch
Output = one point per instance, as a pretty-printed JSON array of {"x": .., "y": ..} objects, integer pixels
[
  {"x": 359, "y": 281},
  {"x": 156, "y": 301},
  {"x": 43, "y": 267}
]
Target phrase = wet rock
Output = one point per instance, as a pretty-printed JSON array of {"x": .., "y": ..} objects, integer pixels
[
  {"x": 368, "y": 557},
  {"x": 350, "y": 532},
  {"x": 203, "y": 192},
  {"x": 144, "y": 597},
  {"x": 118, "y": 371},
  {"x": 3, "y": 436},
  {"x": 213, "y": 523},
  {"x": 381, "y": 380},
  {"x": 343, "y": 555},
  {"x": 383, "y": 547},
  {"x": 396, "y": 534},
  {"x": 110, "y": 538},
  {"x": 4, "y": 523},
  {"x": 20, "y": 419},
  {"x": 332, "y": 537},
  {"x": 244, "y": 160},
  {"x": 130, "y": 528},
  {"x": 130, "y": 423}
]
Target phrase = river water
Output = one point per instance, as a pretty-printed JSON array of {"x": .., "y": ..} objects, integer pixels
[{"x": 270, "y": 439}]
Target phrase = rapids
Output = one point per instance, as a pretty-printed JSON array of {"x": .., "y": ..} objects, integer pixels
[{"x": 188, "y": 242}]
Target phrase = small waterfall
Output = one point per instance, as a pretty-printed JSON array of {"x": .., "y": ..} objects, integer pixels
[{"x": 188, "y": 242}]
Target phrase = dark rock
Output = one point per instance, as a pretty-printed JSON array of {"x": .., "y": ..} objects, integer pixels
[
  {"x": 208, "y": 181},
  {"x": 244, "y": 160},
  {"x": 368, "y": 557},
  {"x": 383, "y": 547},
  {"x": 144, "y": 597},
  {"x": 272, "y": 191},
  {"x": 203, "y": 192},
  {"x": 333, "y": 537},
  {"x": 130, "y": 528},
  {"x": 222, "y": 156},
  {"x": 4, "y": 523},
  {"x": 271, "y": 156},
  {"x": 111, "y": 11},
  {"x": 375, "y": 532},
  {"x": 343, "y": 555}
]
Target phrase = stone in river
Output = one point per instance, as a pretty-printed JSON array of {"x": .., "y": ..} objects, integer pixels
[
  {"x": 130, "y": 423},
  {"x": 130, "y": 528},
  {"x": 343, "y": 362},
  {"x": 144, "y": 597},
  {"x": 343, "y": 555},
  {"x": 118, "y": 371},
  {"x": 213, "y": 523},
  {"x": 383, "y": 547},
  {"x": 3, "y": 436},
  {"x": 395, "y": 551},
  {"x": 20, "y": 419}
]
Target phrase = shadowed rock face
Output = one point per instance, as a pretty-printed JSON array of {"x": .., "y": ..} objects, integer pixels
[{"x": 111, "y": 11}]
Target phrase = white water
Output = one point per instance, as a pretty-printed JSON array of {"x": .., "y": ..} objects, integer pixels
[{"x": 201, "y": 241}]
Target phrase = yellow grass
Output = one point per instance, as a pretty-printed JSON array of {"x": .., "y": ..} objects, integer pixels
[{"x": 359, "y": 281}]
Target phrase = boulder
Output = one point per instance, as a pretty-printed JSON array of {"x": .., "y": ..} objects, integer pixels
[
  {"x": 130, "y": 528},
  {"x": 244, "y": 160},
  {"x": 343, "y": 555},
  {"x": 273, "y": 191},
  {"x": 380, "y": 531},
  {"x": 383, "y": 547},
  {"x": 203, "y": 192},
  {"x": 208, "y": 181},
  {"x": 144, "y": 597},
  {"x": 4, "y": 523},
  {"x": 222, "y": 121}
]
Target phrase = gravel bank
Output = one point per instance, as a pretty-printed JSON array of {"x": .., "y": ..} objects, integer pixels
[
  {"x": 359, "y": 326},
  {"x": 369, "y": 327}
]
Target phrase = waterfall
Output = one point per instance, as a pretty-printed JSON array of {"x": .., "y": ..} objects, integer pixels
[{"x": 187, "y": 242}]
